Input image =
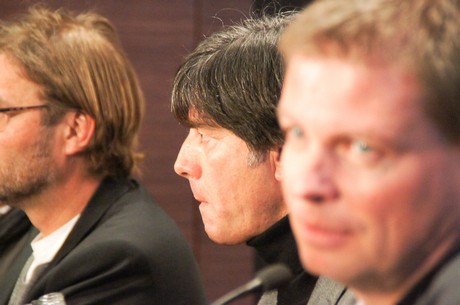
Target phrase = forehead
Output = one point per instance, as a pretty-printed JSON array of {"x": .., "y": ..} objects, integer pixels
[
  {"x": 15, "y": 87},
  {"x": 349, "y": 93},
  {"x": 349, "y": 84},
  {"x": 9, "y": 69}
]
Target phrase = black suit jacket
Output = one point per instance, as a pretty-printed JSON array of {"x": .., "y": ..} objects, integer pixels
[
  {"x": 14, "y": 229},
  {"x": 440, "y": 286},
  {"x": 123, "y": 250},
  {"x": 13, "y": 259}
]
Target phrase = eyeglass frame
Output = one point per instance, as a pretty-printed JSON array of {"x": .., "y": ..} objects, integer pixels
[{"x": 14, "y": 109}]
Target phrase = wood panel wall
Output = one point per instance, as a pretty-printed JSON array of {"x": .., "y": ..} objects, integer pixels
[{"x": 156, "y": 35}]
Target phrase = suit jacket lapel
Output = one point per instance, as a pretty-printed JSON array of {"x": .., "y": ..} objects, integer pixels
[
  {"x": 7, "y": 283},
  {"x": 108, "y": 192},
  {"x": 329, "y": 292}
]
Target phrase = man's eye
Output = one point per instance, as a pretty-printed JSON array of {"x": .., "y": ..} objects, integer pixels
[
  {"x": 295, "y": 132},
  {"x": 362, "y": 146},
  {"x": 203, "y": 137},
  {"x": 294, "y": 136},
  {"x": 361, "y": 152}
]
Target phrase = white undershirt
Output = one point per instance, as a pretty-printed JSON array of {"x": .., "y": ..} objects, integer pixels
[{"x": 45, "y": 248}]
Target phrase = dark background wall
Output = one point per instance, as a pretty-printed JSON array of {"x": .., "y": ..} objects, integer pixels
[{"x": 156, "y": 35}]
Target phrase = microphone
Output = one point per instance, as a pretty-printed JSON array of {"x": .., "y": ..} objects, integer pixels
[{"x": 268, "y": 278}]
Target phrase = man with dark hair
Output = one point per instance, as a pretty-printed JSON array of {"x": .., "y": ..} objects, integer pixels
[
  {"x": 371, "y": 163},
  {"x": 70, "y": 112},
  {"x": 226, "y": 92}
]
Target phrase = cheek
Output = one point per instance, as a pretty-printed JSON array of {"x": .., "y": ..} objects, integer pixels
[
  {"x": 390, "y": 210},
  {"x": 15, "y": 149},
  {"x": 222, "y": 184}
]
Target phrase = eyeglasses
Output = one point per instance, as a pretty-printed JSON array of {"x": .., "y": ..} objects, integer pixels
[{"x": 4, "y": 117}]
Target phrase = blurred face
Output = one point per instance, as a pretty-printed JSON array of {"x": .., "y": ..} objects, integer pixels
[
  {"x": 26, "y": 160},
  {"x": 237, "y": 200},
  {"x": 370, "y": 182}
]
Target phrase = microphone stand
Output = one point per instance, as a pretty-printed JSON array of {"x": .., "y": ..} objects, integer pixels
[
  {"x": 243, "y": 290},
  {"x": 268, "y": 278}
]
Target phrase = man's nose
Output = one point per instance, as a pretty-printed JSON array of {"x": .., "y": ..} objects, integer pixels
[
  {"x": 186, "y": 164},
  {"x": 316, "y": 173}
]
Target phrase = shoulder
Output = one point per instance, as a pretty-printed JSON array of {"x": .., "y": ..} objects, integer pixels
[
  {"x": 330, "y": 292},
  {"x": 123, "y": 225},
  {"x": 444, "y": 288},
  {"x": 134, "y": 245},
  {"x": 131, "y": 222},
  {"x": 118, "y": 271},
  {"x": 135, "y": 219}
]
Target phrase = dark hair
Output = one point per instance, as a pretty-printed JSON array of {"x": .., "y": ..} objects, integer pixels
[
  {"x": 421, "y": 37},
  {"x": 80, "y": 65},
  {"x": 233, "y": 80}
]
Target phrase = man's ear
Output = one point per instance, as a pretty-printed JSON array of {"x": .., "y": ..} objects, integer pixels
[
  {"x": 276, "y": 155},
  {"x": 79, "y": 130}
]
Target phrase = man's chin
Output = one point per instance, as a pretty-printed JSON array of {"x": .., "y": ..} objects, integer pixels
[{"x": 224, "y": 238}]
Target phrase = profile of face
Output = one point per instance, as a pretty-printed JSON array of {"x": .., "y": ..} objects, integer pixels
[
  {"x": 371, "y": 183},
  {"x": 26, "y": 146},
  {"x": 237, "y": 200}
]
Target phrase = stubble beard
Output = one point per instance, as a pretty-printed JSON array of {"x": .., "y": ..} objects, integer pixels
[{"x": 30, "y": 173}]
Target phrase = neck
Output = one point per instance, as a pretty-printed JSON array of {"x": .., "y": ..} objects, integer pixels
[
  {"x": 370, "y": 298},
  {"x": 413, "y": 283},
  {"x": 61, "y": 202}
]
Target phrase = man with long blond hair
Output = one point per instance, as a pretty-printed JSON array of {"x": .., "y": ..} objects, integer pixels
[{"x": 70, "y": 113}]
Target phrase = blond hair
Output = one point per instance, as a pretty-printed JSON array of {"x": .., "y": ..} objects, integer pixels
[
  {"x": 79, "y": 63},
  {"x": 420, "y": 36}
]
